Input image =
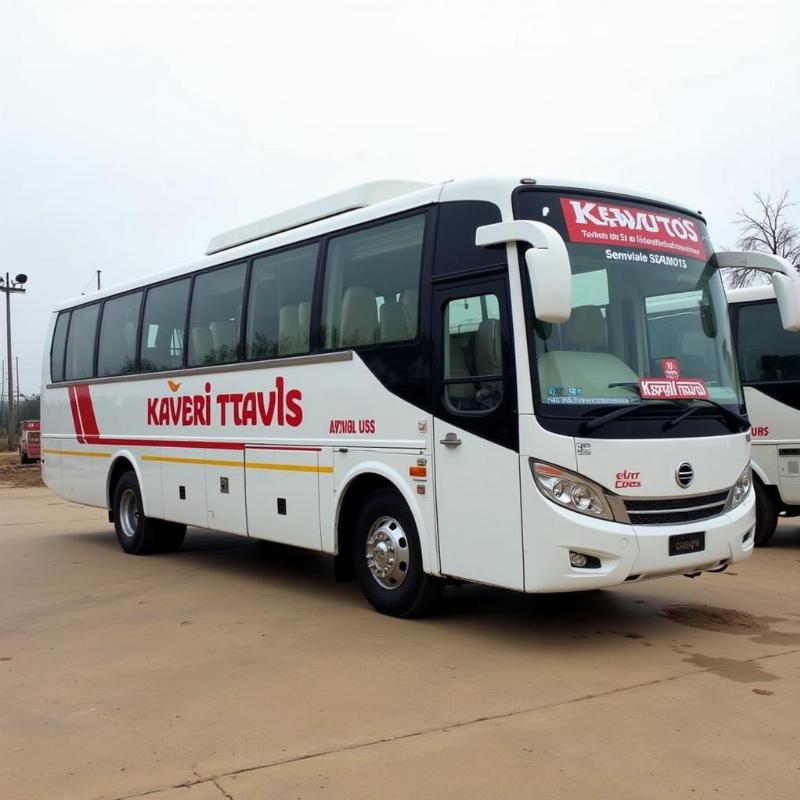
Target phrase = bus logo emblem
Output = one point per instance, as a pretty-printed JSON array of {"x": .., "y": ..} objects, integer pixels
[
  {"x": 684, "y": 474},
  {"x": 671, "y": 368}
]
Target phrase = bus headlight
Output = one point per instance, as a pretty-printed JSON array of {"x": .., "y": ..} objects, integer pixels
[
  {"x": 570, "y": 490},
  {"x": 742, "y": 487}
]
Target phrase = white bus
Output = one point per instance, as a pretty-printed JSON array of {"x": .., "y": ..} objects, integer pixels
[
  {"x": 769, "y": 366},
  {"x": 446, "y": 382}
]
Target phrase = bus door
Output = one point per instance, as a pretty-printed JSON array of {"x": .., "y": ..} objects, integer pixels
[{"x": 475, "y": 434}]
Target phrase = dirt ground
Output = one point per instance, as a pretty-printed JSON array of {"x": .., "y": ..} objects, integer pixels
[
  {"x": 233, "y": 670},
  {"x": 12, "y": 473}
]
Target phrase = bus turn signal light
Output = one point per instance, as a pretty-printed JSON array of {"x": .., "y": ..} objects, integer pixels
[
  {"x": 546, "y": 470},
  {"x": 418, "y": 472}
]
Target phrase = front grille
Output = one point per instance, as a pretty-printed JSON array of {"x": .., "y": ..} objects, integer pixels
[{"x": 674, "y": 511}]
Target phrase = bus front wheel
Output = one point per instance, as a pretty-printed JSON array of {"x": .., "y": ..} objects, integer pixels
[
  {"x": 388, "y": 558},
  {"x": 137, "y": 534},
  {"x": 766, "y": 515}
]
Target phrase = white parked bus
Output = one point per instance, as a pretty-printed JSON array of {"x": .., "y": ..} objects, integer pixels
[
  {"x": 769, "y": 366},
  {"x": 430, "y": 382}
]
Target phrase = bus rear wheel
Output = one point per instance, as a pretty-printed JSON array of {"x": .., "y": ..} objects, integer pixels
[
  {"x": 766, "y": 515},
  {"x": 137, "y": 534},
  {"x": 388, "y": 558}
]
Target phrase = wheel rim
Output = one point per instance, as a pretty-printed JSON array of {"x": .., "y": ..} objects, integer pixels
[
  {"x": 387, "y": 553},
  {"x": 129, "y": 513}
]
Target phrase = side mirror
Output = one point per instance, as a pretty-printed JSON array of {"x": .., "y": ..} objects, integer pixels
[
  {"x": 785, "y": 281},
  {"x": 547, "y": 261}
]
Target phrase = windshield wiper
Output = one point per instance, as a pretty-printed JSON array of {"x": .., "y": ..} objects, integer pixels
[
  {"x": 634, "y": 387},
  {"x": 737, "y": 422},
  {"x": 617, "y": 413}
]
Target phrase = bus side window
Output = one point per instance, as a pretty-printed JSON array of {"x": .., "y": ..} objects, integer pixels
[
  {"x": 216, "y": 315},
  {"x": 766, "y": 351},
  {"x": 58, "y": 346},
  {"x": 161, "y": 345},
  {"x": 279, "y": 306},
  {"x": 80, "y": 343},
  {"x": 372, "y": 285},
  {"x": 116, "y": 354},
  {"x": 473, "y": 356},
  {"x": 456, "y": 250}
]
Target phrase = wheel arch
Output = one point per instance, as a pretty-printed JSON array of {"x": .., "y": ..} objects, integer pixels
[
  {"x": 356, "y": 486},
  {"x": 759, "y": 473},
  {"x": 121, "y": 463}
]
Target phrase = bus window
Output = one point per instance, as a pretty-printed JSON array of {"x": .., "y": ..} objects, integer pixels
[
  {"x": 279, "y": 306},
  {"x": 372, "y": 269},
  {"x": 161, "y": 345},
  {"x": 57, "y": 348},
  {"x": 456, "y": 250},
  {"x": 767, "y": 352},
  {"x": 473, "y": 357},
  {"x": 80, "y": 343},
  {"x": 675, "y": 330},
  {"x": 216, "y": 316},
  {"x": 116, "y": 354},
  {"x": 589, "y": 313}
]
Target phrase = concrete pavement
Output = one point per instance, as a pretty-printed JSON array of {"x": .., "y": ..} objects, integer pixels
[{"x": 231, "y": 669}]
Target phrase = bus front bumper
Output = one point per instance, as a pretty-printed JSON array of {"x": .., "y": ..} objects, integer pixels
[{"x": 626, "y": 553}]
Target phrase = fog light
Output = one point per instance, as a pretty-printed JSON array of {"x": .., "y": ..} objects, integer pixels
[
  {"x": 578, "y": 559},
  {"x": 582, "y": 561}
]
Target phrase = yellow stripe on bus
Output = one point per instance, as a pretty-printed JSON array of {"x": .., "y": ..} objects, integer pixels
[
  {"x": 288, "y": 467},
  {"x": 85, "y": 454},
  {"x": 202, "y": 461},
  {"x": 249, "y": 465}
]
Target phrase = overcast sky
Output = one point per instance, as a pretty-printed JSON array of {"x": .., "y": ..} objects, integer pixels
[{"x": 131, "y": 132}]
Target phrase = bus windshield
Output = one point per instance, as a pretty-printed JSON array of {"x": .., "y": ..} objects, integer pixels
[{"x": 649, "y": 318}]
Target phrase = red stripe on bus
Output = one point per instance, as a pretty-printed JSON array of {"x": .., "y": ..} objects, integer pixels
[
  {"x": 76, "y": 418},
  {"x": 164, "y": 443},
  {"x": 109, "y": 440},
  {"x": 86, "y": 410},
  {"x": 302, "y": 448}
]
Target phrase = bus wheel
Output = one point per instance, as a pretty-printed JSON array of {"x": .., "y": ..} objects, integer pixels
[
  {"x": 137, "y": 534},
  {"x": 388, "y": 558},
  {"x": 766, "y": 515}
]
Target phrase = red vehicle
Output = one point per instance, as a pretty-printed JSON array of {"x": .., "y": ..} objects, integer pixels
[{"x": 30, "y": 444}]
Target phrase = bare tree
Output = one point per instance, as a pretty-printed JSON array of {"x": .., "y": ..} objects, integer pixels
[{"x": 766, "y": 230}]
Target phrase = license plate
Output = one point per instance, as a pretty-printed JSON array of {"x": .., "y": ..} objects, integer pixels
[{"x": 682, "y": 543}]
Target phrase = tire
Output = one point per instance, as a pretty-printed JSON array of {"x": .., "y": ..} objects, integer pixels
[
  {"x": 137, "y": 534},
  {"x": 386, "y": 551},
  {"x": 766, "y": 515},
  {"x": 23, "y": 458}
]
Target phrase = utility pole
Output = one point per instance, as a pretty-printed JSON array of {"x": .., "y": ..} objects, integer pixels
[
  {"x": 98, "y": 279},
  {"x": 8, "y": 286}
]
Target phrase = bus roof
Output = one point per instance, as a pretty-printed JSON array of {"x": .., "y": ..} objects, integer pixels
[
  {"x": 354, "y": 206},
  {"x": 748, "y": 294},
  {"x": 366, "y": 194}
]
